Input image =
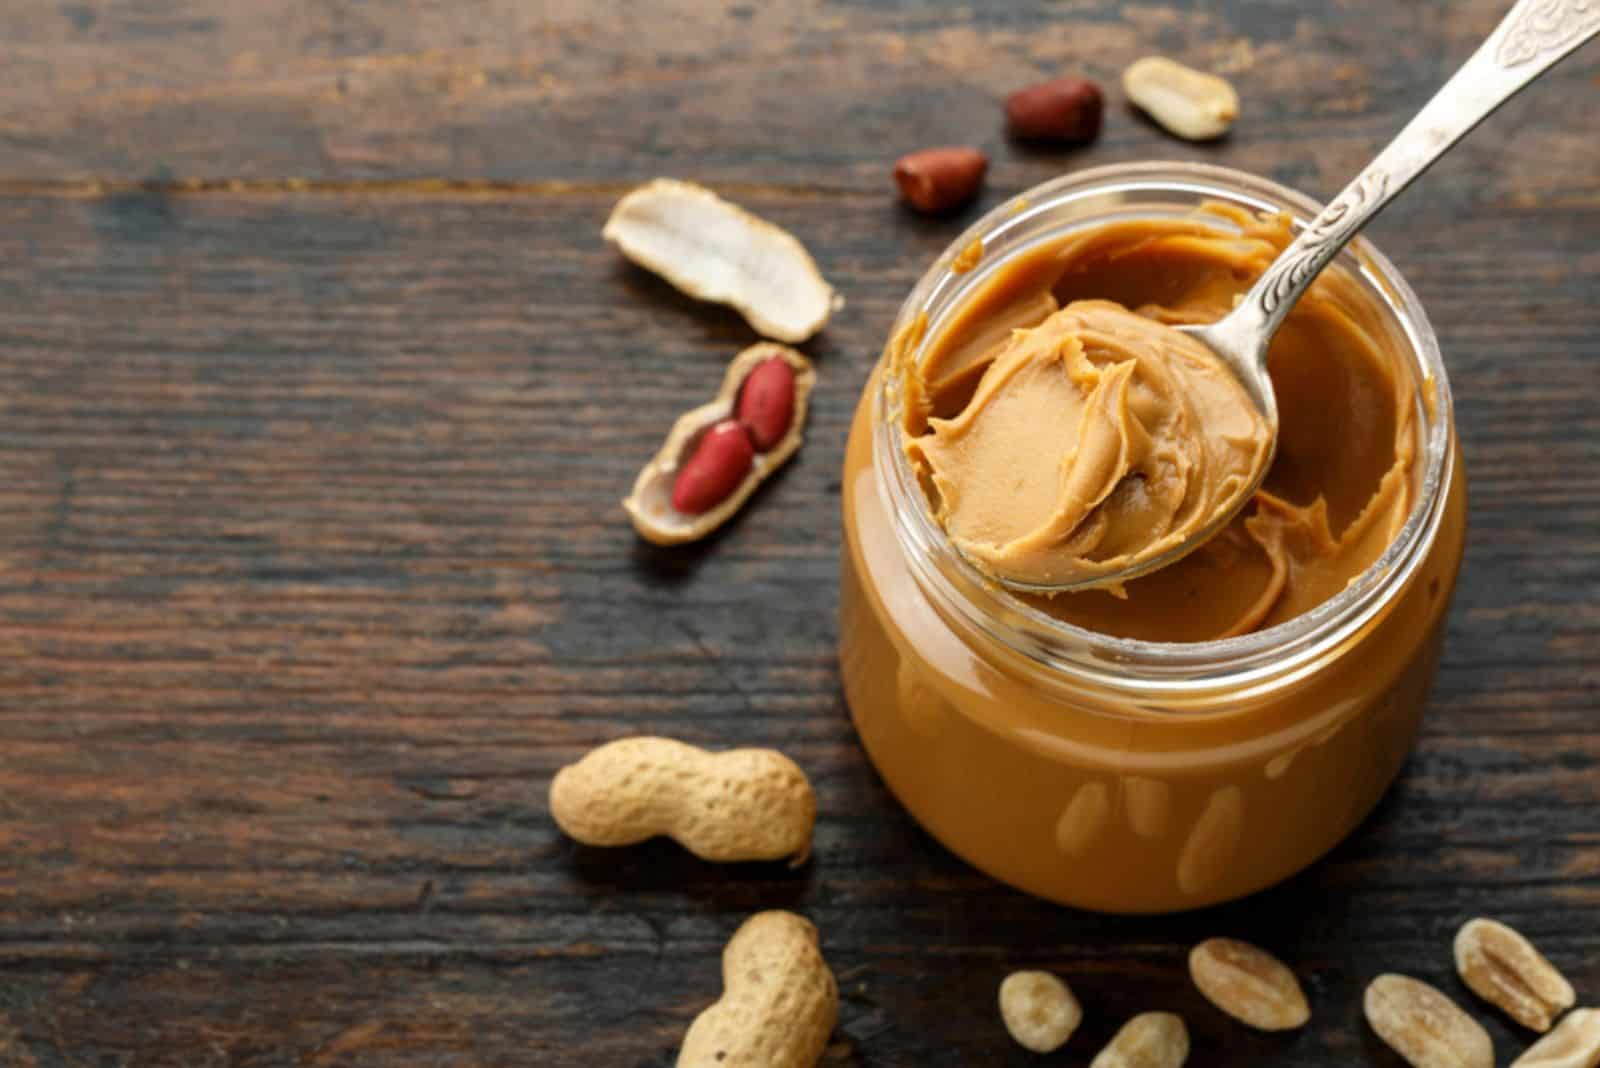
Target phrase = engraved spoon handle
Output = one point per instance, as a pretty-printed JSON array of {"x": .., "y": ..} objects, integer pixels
[{"x": 1532, "y": 37}]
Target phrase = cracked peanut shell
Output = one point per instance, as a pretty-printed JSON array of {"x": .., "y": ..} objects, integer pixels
[{"x": 649, "y": 505}]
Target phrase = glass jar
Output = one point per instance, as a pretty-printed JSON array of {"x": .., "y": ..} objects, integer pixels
[{"x": 1121, "y": 775}]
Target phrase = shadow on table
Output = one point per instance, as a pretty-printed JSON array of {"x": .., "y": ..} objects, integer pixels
[{"x": 661, "y": 867}]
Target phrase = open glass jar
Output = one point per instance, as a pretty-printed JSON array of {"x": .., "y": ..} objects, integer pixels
[{"x": 1115, "y": 774}]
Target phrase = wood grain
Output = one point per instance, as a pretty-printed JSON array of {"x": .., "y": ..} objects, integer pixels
[{"x": 319, "y": 403}]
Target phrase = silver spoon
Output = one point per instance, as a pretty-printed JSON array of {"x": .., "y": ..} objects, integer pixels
[{"x": 1532, "y": 38}]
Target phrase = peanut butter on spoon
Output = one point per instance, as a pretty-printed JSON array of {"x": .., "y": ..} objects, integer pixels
[
  {"x": 1341, "y": 481},
  {"x": 1096, "y": 440}
]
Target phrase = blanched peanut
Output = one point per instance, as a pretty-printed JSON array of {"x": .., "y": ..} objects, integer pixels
[
  {"x": 1248, "y": 984},
  {"x": 1039, "y": 1010},
  {"x": 1575, "y": 1043},
  {"x": 744, "y": 804},
  {"x": 1149, "y": 1040},
  {"x": 1504, "y": 969},
  {"x": 1425, "y": 1027}
]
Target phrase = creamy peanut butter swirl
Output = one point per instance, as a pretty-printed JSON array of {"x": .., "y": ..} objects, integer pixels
[
  {"x": 1058, "y": 434},
  {"x": 1096, "y": 440}
]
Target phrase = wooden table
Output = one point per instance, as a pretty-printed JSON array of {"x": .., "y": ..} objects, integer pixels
[{"x": 320, "y": 392}]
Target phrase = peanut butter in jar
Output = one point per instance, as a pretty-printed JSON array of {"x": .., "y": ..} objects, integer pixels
[{"x": 1212, "y": 727}]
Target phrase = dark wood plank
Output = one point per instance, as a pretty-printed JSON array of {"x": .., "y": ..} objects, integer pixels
[
  {"x": 808, "y": 97},
  {"x": 321, "y": 391}
]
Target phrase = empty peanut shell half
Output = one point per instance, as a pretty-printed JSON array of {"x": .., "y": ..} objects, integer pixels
[
  {"x": 1186, "y": 102},
  {"x": 717, "y": 454},
  {"x": 717, "y": 251}
]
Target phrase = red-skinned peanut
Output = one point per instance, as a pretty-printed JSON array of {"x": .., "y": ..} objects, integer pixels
[
  {"x": 1063, "y": 111},
  {"x": 718, "y": 464},
  {"x": 937, "y": 180},
  {"x": 766, "y": 402}
]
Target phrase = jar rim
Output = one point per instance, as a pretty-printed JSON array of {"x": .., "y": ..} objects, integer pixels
[{"x": 1268, "y": 656}]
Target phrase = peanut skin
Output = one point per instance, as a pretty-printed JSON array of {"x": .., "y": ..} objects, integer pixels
[
  {"x": 937, "y": 180},
  {"x": 714, "y": 470},
  {"x": 744, "y": 804},
  {"x": 766, "y": 402},
  {"x": 1063, "y": 110},
  {"x": 779, "y": 1001}
]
